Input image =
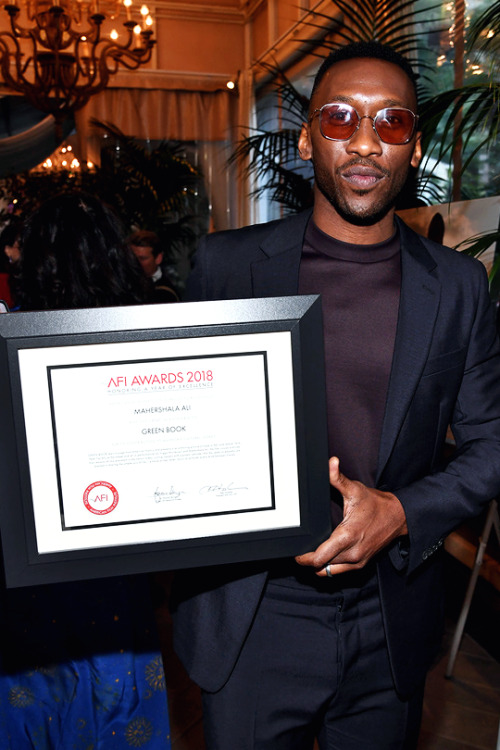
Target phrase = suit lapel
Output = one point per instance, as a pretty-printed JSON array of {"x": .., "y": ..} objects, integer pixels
[
  {"x": 277, "y": 272},
  {"x": 419, "y": 304}
]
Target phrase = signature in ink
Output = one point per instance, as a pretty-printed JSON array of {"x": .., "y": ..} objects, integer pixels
[
  {"x": 162, "y": 496},
  {"x": 221, "y": 490}
]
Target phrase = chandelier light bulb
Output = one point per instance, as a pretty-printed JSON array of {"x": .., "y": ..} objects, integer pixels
[{"x": 127, "y": 4}]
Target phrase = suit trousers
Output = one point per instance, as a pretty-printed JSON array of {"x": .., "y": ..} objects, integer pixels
[{"x": 314, "y": 665}]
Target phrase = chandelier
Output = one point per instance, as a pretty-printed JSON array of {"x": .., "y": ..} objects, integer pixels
[
  {"x": 63, "y": 160},
  {"x": 57, "y": 54}
]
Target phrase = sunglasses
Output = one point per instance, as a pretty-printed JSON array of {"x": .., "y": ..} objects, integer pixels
[{"x": 339, "y": 122}]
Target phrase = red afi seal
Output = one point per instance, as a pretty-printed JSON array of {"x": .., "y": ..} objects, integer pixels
[{"x": 100, "y": 498}]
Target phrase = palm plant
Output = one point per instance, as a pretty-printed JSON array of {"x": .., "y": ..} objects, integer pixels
[
  {"x": 478, "y": 102},
  {"x": 152, "y": 188},
  {"x": 392, "y": 22},
  {"x": 270, "y": 155}
]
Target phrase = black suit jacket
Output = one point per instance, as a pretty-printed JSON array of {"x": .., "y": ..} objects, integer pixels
[{"x": 445, "y": 371}]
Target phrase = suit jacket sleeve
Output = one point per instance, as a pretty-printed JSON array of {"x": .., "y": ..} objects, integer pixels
[{"x": 438, "y": 502}]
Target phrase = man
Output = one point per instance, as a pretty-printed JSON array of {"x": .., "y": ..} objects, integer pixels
[
  {"x": 146, "y": 247},
  {"x": 336, "y": 644}
]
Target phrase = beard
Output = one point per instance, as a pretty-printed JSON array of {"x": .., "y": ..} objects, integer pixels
[{"x": 343, "y": 199}]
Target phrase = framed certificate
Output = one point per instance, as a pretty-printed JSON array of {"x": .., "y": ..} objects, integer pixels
[{"x": 161, "y": 437}]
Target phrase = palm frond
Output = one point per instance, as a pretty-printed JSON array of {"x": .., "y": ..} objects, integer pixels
[
  {"x": 293, "y": 102},
  {"x": 477, "y": 104},
  {"x": 479, "y": 243},
  {"x": 484, "y": 32},
  {"x": 266, "y": 147},
  {"x": 159, "y": 181},
  {"x": 430, "y": 188},
  {"x": 390, "y": 22},
  {"x": 287, "y": 187}
]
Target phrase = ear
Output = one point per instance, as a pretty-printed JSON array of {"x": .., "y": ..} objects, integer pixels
[
  {"x": 417, "y": 151},
  {"x": 305, "y": 145},
  {"x": 159, "y": 258}
]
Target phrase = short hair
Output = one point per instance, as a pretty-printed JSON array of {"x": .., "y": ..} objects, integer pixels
[
  {"x": 145, "y": 238},
  {"x": 368, "y": 49},
  {"x": 11, "y": 232}
]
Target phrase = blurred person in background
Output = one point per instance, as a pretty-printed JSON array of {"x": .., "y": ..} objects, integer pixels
[
  {"x": 9, "y": 255},
  {"x": 146, "y": 247}
]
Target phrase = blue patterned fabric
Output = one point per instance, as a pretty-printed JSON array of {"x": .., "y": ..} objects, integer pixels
[{"x": 81, "y": 668}]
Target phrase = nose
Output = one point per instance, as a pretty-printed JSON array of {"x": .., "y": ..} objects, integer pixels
[{"x": 365, "y": 140}]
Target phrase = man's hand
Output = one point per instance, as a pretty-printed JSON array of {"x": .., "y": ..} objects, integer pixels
[{"x": 372, "y": 519}]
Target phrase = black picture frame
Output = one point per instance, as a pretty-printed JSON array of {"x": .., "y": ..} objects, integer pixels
[{"x": 50, "y": 335}]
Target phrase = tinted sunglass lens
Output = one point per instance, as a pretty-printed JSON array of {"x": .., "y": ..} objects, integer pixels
[
  {"x": 395, "y": 125},
  {"x": 338, "y": 121}
]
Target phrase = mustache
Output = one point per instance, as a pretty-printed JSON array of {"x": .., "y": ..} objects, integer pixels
[{"x": 358, "y": 161}]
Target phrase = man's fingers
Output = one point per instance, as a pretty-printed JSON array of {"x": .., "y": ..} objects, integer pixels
[
  {"x": 340, "y": 540},
  {"x": 333, "y": 466},
  {"x": 339, "y": 480},
  {"x": 372, "y": 519},
  {"x": 331, "y": 570},
  {"x": 327, "y": 551}
]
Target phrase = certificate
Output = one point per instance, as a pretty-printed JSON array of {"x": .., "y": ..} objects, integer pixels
[{"x": 162, "y": 437}]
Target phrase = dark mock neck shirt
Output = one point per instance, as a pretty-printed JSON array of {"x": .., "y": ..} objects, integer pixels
[{"x": 360, "y": 287}]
